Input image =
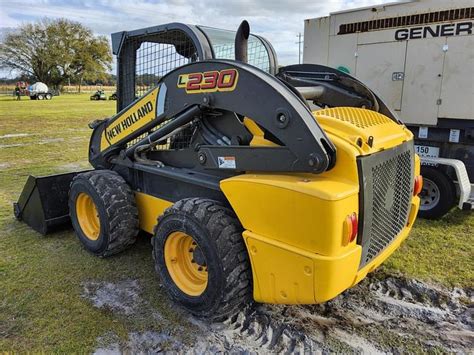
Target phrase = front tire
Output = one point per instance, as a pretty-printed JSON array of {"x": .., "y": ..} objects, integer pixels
[
  {"x": 201, "y": 258},
  {"x": 437, "y": 195},
  {"x": 103, "y": 212},
  {"x": 40, "y": 97}
]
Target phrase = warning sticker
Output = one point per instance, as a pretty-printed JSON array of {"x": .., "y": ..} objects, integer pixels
[{"x": 226, "y": 162}]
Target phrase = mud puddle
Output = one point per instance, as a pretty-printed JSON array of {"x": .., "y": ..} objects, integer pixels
[{"x": 377, "y": 316}]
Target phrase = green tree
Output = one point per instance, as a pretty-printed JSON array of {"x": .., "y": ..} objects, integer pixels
[{"x": 55, "y": 51}]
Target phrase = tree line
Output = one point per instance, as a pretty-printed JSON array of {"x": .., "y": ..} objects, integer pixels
[{"x": 57, "y": 52}]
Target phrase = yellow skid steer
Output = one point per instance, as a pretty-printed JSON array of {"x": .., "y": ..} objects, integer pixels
[{"x": 279, "y": 185}]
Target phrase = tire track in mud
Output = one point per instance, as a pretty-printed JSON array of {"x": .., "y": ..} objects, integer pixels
[{"x": 377, "y": 316}]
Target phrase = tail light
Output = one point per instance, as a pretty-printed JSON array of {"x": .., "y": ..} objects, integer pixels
[
  {"x": 418, "y": 185},
  {"x": 351, "y": 225}
]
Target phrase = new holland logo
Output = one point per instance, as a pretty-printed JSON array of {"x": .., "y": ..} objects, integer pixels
[
  {"x": 129, "y": 120},
  {"x": 211, "y": 81}
]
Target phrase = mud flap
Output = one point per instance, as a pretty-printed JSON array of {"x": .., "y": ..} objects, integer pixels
[{"x": 43, "y": 203}]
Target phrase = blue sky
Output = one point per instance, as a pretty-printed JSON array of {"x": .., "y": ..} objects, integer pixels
[{"x": 278, "y": 21}]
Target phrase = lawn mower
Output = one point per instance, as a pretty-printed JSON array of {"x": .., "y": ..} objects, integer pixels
[
  {"x": 257, "y": 183},
  {"x": 98, "y": 95}
]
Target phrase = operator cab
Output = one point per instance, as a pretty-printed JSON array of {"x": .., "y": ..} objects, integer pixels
[{"x": 144, "y": 56}]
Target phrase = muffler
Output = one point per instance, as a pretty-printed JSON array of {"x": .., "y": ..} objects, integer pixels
[{"x": 241, "y": 41}]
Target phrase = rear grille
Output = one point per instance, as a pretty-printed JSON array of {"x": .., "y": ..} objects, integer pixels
[{"x": 385, "y": 198}]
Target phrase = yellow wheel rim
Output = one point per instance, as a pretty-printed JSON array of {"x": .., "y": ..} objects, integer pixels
[
  {"x": 186, "y": 263},
  {"x": 87, "y": 215}
]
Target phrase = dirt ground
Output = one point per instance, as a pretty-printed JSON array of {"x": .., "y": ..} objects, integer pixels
[{"x": 383, "y": 315}]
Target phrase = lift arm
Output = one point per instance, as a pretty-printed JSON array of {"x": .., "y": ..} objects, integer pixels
[{"x": 191, "y": 92}]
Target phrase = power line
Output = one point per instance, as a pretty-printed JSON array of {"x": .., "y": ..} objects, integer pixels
[{"x": 300, "y": 41}]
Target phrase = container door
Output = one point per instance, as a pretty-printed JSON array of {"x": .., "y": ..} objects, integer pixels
[
  {"x": 422, "y": 84},
  {"x": 381, "y": 67},
  {"x": 457, "y": 89}
]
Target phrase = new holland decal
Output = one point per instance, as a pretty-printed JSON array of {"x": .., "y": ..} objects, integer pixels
[
  {"x": 211, "y": 81},
  {"x": 131, "y": 119}
]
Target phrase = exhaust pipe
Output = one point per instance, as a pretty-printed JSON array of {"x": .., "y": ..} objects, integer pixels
[{"x": 241, "y": 39}]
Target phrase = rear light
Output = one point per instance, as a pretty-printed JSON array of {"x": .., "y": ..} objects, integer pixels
[
  {"x": 418, "y": 185},
  {"x": 351, "y": 225}
]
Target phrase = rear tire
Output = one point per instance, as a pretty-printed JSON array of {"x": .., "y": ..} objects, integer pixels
[
  {"x": 437, "y": 195},
  {"x": 48, "y": 96},
  {"x": 103, "y": 212},
  {"x": 216, "y": 236},
  {"x": 40, "y": 97}
]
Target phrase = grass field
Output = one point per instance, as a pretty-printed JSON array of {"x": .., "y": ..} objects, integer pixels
[{"x": 41, "y": 278}]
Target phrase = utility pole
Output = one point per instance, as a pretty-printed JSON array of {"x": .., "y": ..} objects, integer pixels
[{"x": 300, "y": 41}]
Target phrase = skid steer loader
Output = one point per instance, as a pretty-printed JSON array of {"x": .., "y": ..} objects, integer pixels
[{"x": 279, "y": 186}]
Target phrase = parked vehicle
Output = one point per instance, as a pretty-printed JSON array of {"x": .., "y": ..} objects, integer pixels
[
  {"x": 99, "y": 95},
  {"x": 419, "y": 56},
  {"x": 248, "y": 193},
  {"x": 39, "y": 91}
]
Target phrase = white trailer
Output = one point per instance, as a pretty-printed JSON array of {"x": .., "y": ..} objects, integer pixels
[
  {"x": 39, "y": 91},
  {"x": 419, "y": 56}
]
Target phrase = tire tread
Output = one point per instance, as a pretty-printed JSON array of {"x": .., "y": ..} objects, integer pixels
[
  {"x": 120, "y": 207},
  {"x": 226, "y": 229}
]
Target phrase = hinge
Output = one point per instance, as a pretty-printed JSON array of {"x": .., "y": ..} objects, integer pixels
[{"x": 439, "y": 102}]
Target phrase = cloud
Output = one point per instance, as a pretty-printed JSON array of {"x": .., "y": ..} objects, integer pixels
[{"x": 278, "y": 21}]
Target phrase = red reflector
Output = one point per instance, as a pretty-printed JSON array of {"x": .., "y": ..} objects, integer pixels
[
  {"x": 418, "y": 185},
  {"x": 355, "y": 227}
]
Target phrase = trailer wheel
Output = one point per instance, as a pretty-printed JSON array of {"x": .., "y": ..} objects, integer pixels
[
  {"x": 103, "y": 212},
  {"x": 201, "y": 258},
  {"x": 48, "y": 96},
  {"x": 438, "y": 194},
  {"x": 40, "y": 97}
]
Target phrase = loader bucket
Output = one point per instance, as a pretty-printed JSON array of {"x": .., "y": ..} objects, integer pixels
[{"x": 43, "y": 203}]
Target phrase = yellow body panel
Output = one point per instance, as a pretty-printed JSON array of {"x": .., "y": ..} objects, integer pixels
[
  {"x": 295, "y": 210},
  {"x": 353, "y": 123},
  {"x": 130, "y": 119},
  {"x": 149, "y": 209},
  {"x": 295, "y": 223},
  {"x": 281, "y": 272}
]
